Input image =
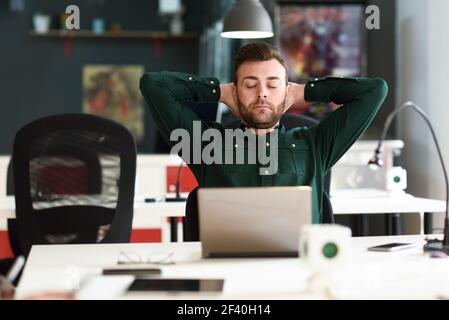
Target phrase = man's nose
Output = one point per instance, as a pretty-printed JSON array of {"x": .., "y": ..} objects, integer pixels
[{"x": 262, "y": 93}]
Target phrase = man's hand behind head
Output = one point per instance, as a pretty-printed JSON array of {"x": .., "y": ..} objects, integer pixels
[
  {"x": 228, "y": 96},
  {"x": 295, "y": 95}
]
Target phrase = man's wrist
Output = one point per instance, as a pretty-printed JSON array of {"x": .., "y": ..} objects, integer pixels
[
  {"x": 224, "y": 92},
  {"x": 296, "y": 93}
]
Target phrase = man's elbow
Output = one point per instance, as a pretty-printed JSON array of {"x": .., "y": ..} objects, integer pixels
[
  {"x": 380, "y": 86},
  {"x": 147, "y": 82}
]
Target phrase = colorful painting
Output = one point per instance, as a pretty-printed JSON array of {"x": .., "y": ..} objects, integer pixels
[
  {"x": 113, "y": 92},
  {"x": 319, "y": 40},
  {"x": 322, "y": 40}
]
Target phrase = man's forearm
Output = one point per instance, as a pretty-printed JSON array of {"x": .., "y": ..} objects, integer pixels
[
  {"x": 361, "y": 99},
  {"x": 343, "y": 90},
  {"x": 181, "y": 86},
  {"x": 166, "y": 92}
]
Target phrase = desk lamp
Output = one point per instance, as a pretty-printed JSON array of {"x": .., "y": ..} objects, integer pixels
[
  {"x": 178, "y": 197},
  {"x": 376, "y": 162}
]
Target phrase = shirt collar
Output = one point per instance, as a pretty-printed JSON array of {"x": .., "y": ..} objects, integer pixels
[{"x": 280, "y": 127}]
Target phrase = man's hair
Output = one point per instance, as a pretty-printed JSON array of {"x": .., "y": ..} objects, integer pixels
[{"x": 257, "y": 51}]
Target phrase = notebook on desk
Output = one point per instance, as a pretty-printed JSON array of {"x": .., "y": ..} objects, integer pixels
[{"x": 253, "y": 222}]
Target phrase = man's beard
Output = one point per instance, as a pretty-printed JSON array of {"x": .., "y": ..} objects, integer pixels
[{"x": 254, "y": 119}]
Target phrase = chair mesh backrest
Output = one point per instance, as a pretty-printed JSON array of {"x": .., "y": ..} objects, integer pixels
[{"x": 74, "y": 177}]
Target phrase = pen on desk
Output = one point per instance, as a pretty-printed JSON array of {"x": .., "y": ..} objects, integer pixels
[
  {"x": 13, "y": 273},
  {"x": 155, "y": 199}
]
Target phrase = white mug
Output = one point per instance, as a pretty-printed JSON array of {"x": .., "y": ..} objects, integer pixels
[{"x": 325, "y": 247}]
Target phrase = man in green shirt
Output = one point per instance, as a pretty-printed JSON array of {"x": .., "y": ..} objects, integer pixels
[{"x": 259, "y": 96}]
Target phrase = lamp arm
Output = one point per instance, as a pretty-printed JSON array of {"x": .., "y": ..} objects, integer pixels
[{"x": 390, "y": 118}]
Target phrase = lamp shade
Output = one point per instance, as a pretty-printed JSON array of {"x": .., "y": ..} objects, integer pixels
[{"x": 247, "y": 19}]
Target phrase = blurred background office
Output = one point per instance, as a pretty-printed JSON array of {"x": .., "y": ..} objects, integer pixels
[{"x": 46, "y": 69}]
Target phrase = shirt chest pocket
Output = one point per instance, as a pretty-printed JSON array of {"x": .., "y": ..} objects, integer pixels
[
  {"x": 294, "y": 160},
  {"x": 238, "y": 160}
]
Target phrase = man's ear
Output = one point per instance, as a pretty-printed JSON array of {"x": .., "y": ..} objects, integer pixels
[
  {"x": 287, "y": 100},
  {"x": 234, "y": 92}
]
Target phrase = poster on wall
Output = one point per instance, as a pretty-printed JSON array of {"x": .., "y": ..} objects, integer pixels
[
  {"x": 113, "y": 92},
  {"x": 320, "y": 40}
]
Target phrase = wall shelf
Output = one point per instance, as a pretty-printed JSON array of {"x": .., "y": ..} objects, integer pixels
[{"x": 162, "y": 35}]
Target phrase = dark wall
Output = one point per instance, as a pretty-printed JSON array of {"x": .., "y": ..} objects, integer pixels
[
  {"x": 37, "y": 79},
  {"x": 381, "y": 52},
  {"x": 382, "y": 59},
  {"x": 381, "y": 62}
]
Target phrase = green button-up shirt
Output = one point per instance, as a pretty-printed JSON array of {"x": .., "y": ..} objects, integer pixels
[{"x": 305, "y": 154}]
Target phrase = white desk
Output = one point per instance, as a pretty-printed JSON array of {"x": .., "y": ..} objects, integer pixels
[
  {"x": 146, "y": 214},
  {"x": 407, "y": 274},
  {"x": 372, "y": 201},
  {"x": 346, "y": 202},
  {"x": 343, "y": 202}
]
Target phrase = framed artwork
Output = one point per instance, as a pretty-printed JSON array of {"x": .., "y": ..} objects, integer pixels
[
  {"x": 113, "y": 92},
  {"x": 319, "y": 40}
]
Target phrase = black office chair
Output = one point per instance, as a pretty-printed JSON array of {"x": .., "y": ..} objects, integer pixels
[
  {"x": 12, "y": 225},
  {"x": 6, "y": 263},
  {"x": 74, "y": 177},
  {"x": 190, "y": 221},
  {"x": 94, "y": 169}
]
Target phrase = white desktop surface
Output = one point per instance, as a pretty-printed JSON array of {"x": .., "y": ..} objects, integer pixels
[
  {"x": 350, "y": 201},
  {"x": 160, "y": 208},
  {"x": 372, "y": 201},
  {"x": 407, "y": 274},
  {"x": 146, "y": 214}
]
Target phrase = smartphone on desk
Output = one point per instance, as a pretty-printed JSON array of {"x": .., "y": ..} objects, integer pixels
[{"x": 390, "y": 247}]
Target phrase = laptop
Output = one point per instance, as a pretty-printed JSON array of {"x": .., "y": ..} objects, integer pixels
[{"x": 253, "y": 221}]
